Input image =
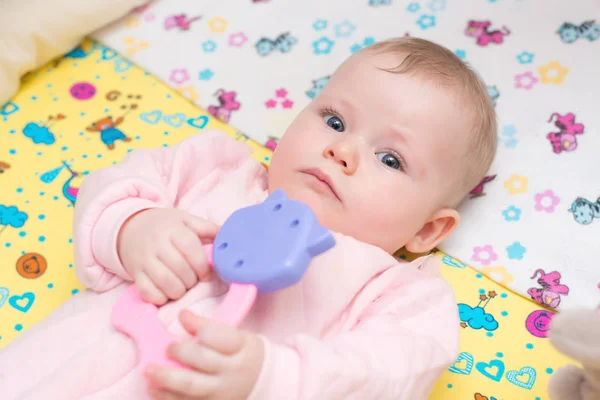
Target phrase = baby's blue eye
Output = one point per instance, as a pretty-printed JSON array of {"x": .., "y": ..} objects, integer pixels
[
  {"x": 334, "y": 122},
  {"x": 389, "y": 159}
]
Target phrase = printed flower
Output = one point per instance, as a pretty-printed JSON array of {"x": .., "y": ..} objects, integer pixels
[
  {"x": 189, "y": 92},
  {"x": 217, "y": 24},
  {"x": 270, "y": 103},
  {"x": 133, "y": 47},
  {"x": 426, "y": 21},
  {"x": 553, "y": 73},
  {"x": 484, "y": 255},
  {"x": 323, "y": 45},
  {"x": 525, "y": 57},
  {"x": 437, "y": 5},
  {"x": 525, "y": 80},
  {"x": 209, "y": 46},
  {"x": 281, "y": 92},
  {"x": 516, "y": 251},
  {"x": 546, "y": 201},
  {"x": 355, "y": 48},
  {"x": 511, "y": 143},
  {"x": 413, "y": 7},
  {"x": 512, "y": 213},
  {"x": 320, "y": 24},
  {"x": 499, "y": 274},
  {"x": 509, "y": 130},
  {"x": 287, "y": 103},
  {"x": 237, "y": 39},
  {"x": 206, "y": 74},
  {"x": 358, "y": 46},
  {"x": 460, "y": 54},
  {"x": 516, "y": 184},
  {"x": 344, "y": 29},
  {"x": 178, "y": 76}
]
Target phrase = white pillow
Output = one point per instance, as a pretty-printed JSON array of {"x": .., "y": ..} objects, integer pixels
[{"x": 33, "y": 32}]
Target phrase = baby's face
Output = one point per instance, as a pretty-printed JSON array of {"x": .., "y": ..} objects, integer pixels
[{"x": 375, "y": 153}]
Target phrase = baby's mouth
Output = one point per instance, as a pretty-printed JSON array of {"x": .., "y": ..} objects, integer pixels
[{"x": 324, "y": 180}]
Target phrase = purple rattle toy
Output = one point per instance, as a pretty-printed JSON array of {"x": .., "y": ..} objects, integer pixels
[{"x": 261, "y": 248}]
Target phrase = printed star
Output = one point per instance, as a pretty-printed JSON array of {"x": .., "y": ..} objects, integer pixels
[
  {"x": 483, "y": 297},
  {"x": 217, "y": 24},
  {"x": 463, "y": 324},
  {"x": 281, "y": 93},
  {"x": 492, "y": 293},
  {"x": 270, "y": 103},
  {"x": 287, "y": 103}
]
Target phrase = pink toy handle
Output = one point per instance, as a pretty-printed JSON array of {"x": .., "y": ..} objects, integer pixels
[{"x": 139, "y": 319}]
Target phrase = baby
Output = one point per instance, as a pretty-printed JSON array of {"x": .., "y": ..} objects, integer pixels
[{"x": 383, "y": 155}]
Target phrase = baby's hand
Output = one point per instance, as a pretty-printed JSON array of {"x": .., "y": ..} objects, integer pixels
[
  {"x": 163, "y": 252},
  {"x": 225, "y": 363}
]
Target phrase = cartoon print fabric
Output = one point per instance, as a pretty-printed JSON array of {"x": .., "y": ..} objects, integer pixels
[
  {"x": 504, "y": 351},
  {"x": 252, "y": 65},
  {"x": 86, "y": 113}
]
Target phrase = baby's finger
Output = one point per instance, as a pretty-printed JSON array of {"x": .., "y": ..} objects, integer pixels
[
  {"x": 199, "y": 357},
  {"x": 174, "y": 260},
  {"x": 148, "y": 290},
  {"x": 165, "y": 279},
  {"x": 191, "y": 322},
  {"x": 192, "y": 250},
  {"x": 182, "y": 381},
  {"x": 201, "y": 227},
  {"x": 225, "y": 339}
]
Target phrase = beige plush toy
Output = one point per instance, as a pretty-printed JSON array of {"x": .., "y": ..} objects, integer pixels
[{"x": 577, "y": 335}]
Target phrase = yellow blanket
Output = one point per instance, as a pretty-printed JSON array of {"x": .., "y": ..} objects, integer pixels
[{"x": 86, "y": 111}]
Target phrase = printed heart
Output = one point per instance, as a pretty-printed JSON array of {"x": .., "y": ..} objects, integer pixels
[
  {"x": 199, "y": 122},
  {"x": 175, "y": 120},
  {"x": 479, "y": 396},
  {"x": 152, "y": 117},
  {"x": 122, "y": 65},
  {"x": 463, "y": 364},
  {"x": 483, "y": 368},
  {"x": 524, "y": 378},
  {"x": 8, "y": 109},
  {"x": 108, "y": 54},
  {"x": 3, "y": 295},
  {"x": 22, "y": 303}
]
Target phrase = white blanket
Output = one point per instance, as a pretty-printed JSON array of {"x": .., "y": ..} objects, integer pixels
[{"x": 256, "y": 63}]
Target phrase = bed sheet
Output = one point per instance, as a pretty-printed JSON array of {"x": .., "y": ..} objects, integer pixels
[
  {"x": 49, "y": 142},
  {"x": 530, "y": 224},
  {"x": 50, "y": 150}
]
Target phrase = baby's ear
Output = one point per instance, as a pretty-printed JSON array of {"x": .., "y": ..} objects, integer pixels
[{"x": 438, "y": 228}]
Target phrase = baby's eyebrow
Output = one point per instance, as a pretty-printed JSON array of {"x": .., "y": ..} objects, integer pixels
[{"x": 404, "y": 134}]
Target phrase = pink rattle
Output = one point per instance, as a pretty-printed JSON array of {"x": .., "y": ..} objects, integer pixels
[{"x": 261, "y": 248}]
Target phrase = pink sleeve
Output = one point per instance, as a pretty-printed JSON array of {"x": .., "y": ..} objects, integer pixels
[
  {"x": 144, "y": 179},
  {"x": 397, "y": 351}
]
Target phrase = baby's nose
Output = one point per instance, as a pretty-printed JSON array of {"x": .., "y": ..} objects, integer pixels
[{"x": 343, "y": 155}]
